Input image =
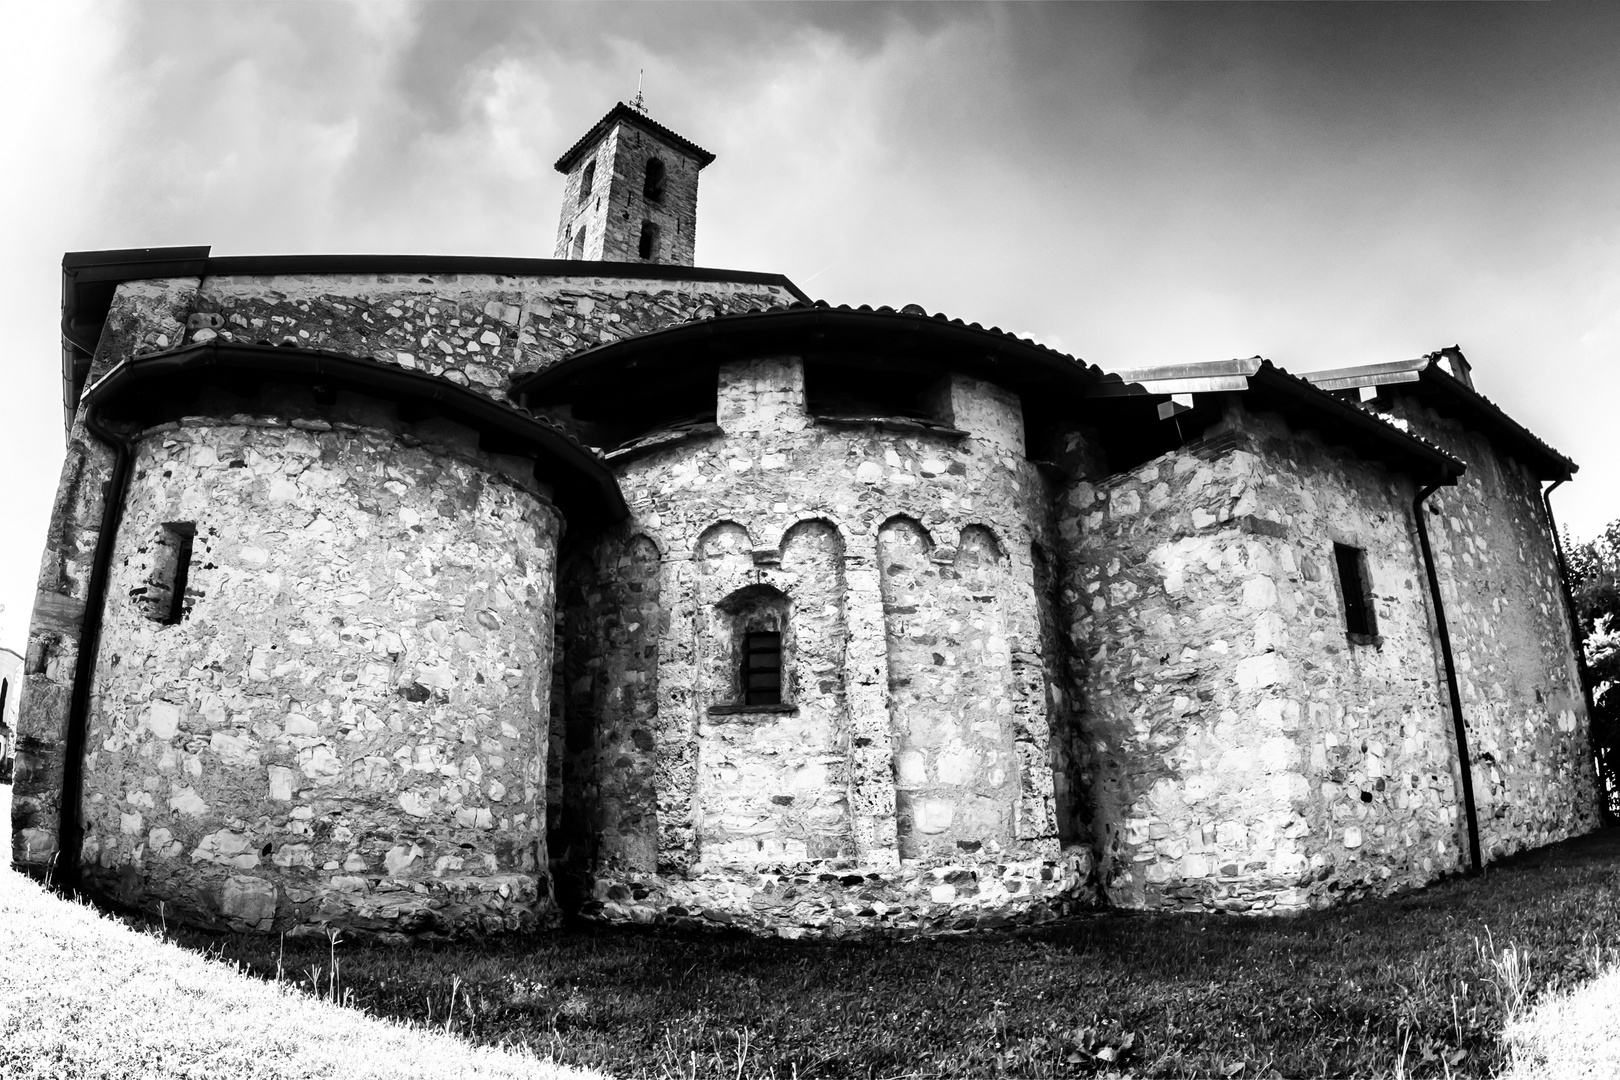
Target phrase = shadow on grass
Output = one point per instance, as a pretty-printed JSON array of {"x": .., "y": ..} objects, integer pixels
[{"x": 1412, "y": 984}]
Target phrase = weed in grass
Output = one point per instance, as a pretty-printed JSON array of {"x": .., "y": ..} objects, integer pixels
[{"x": 1509, "y": 969}]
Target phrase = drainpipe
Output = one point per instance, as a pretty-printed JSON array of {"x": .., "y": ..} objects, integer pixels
[
  {"x": 70, "y": 830},
  {"x": 1577, "y": 639},
  {"x": 1469, "y": 813}
]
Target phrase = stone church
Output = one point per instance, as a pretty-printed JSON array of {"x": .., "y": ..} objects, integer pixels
[{"x": 433, "y": 595}]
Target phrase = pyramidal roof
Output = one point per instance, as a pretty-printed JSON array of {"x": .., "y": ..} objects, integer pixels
[{"x": 636, "y": 118}]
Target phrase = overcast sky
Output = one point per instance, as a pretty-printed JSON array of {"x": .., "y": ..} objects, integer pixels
[{"x": 1319, "y": 184}]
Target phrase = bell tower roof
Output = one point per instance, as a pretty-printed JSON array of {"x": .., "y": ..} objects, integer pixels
[{"x": 624, "y": 113}]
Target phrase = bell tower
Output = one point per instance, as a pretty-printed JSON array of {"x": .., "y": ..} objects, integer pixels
[{"x": 631, "y": 194}]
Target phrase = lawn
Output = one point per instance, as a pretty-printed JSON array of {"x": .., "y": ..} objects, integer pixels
[
  {"x": 82, "y": 995},
  {"x": 1418, "y": 985}
]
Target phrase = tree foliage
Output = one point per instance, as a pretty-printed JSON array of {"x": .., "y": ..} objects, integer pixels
[{"x": 1594, "y": 583}]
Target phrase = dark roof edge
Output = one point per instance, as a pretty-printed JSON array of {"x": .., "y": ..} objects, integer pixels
[
  {"x": 621, "y": 111},
  {"x": 150, "y": 263},
  {"x": 593, "y": 475},
  {"x": 788, "y": 320},
  {"x": 1412, "y": 447},
  {"x": 1484, "y": 413}
]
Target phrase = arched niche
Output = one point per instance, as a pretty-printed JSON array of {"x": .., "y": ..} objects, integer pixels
[{"x": 955, "y": 766}]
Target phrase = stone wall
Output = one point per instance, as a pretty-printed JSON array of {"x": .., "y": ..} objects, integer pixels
[
  {"x": 791, "y": 818},
  {"x": 1528, "y": 732},
  {"x": 956, "y": 772},
  {"x": 1239, "y": 750},
  {"x": 348, "y": 723},
  {"x": 473, "y": 330}
]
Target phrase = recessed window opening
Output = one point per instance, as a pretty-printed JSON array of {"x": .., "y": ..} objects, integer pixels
[
  {"x": 579, "y": 243},
  {"x": 182, "y": 577},
  {"x": 163, "y": 598},
  {"x": 586, "y": 181},
  {"x": 684, "y": 401},
  {"x": 750, "y": 649},
  {"x": 648, "y": 248},
  {"x": 762, "y": 668},
  {"x": 849, "y": 389},
  {"x": 653, "y": 187},
  {"x": 1359, "y": 620}
]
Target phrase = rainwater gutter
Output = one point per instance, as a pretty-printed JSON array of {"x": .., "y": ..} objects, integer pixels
[
  {"x": 70, "y": 830},
  {"x": 1470, "y": 813}
]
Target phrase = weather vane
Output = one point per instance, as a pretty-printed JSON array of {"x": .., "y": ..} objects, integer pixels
[{"x": 637, "y": 104}]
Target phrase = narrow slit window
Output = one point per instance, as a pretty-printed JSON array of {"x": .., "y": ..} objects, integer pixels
[
  {"x": 652, "y": 188},
  {"x": 182, "y": 576},
  {"x": 586, "y": 181},
  {"x": 163, "y": 598},
  {"x": 648, "y": 248},
  {"x": 1359, "y": 620},
  {"x": 762, "y": 668}
]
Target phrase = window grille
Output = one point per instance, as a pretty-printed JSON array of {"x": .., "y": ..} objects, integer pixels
[{"x": 762, "y": 668}]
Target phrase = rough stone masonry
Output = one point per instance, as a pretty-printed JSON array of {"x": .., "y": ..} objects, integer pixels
[{"x": 423, "y": 596}]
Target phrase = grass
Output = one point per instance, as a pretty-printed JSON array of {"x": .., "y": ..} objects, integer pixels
[
  {"x": 82, "y": 995},
  {"x": 1570, "y": 1034},
  {"x": 1418, "y": 985}
]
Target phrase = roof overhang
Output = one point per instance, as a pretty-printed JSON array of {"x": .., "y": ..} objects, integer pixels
[
  {"x": 622, "y": 113},
  {"x": 883, "y": 336},
  {"x": 1428, "y": 380},
  {"x": 89, "y": 280},
  {"x": 1268, "y": 388},
  {"x": 584, "y": 486}
]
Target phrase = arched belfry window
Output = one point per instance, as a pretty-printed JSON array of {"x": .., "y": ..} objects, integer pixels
[
  {"x": 586, "y": 181},
  {"x": 653, "y": 187},
  {"x": 648, "y": 248}
]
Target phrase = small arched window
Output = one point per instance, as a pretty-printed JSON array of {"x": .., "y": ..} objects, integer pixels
[
  {"x": 586, "y": 181},
  {"x": 653, "y": 187},
  {"x": 750, "y": 651},
  {"x": 579, "y": 244},
  {"x": 648, "y": 248}
]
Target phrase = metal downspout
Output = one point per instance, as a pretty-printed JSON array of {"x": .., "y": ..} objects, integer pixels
[
  {"x": 70, "y": 831},
  {"x": 1466, "y": 766},
  {"x": 1576, "y": 640}
]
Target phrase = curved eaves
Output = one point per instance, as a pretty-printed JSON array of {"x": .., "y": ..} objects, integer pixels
[
  {"x": 583, "y": 482},
  {"x": 881, "y": 333}
]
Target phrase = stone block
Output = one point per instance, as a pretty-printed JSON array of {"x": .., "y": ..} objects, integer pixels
[{"x": 248, "y": 903}]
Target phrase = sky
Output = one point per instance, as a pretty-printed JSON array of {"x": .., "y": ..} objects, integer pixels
[{"x": 1318, "y": 184}]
